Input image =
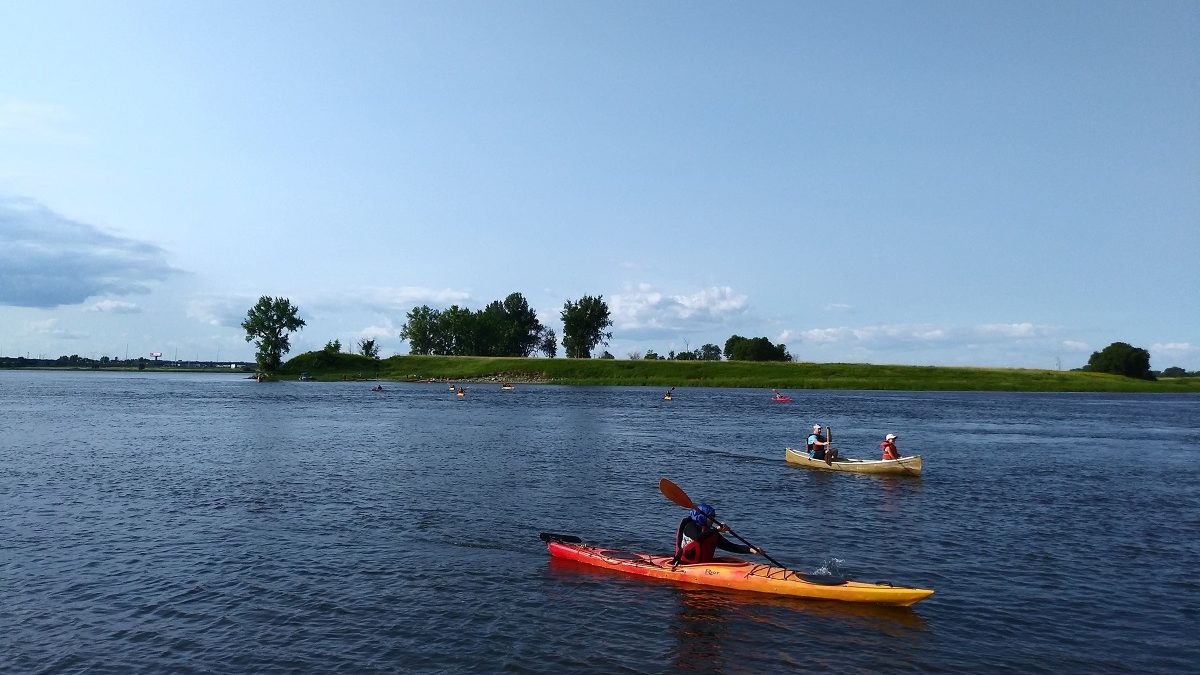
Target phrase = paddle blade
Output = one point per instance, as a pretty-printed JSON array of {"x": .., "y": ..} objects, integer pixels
[
  {"x": 675, "y": 493},
  {"x": 563, "y": 538}
]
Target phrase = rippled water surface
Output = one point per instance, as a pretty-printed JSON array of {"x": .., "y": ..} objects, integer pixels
[{"x": 210, "y": 523}]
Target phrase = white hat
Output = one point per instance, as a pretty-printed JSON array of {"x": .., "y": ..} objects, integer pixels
[
  {"x": 816, "y": 427},
  {"x": 890, "y": 437}
]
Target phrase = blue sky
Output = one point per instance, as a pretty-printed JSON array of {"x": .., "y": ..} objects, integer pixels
[{"x": 941, "y": 183}]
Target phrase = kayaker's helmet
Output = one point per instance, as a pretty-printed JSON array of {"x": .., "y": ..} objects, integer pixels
[
  {"x": 703, "y": 514},
  {"x": 890, "y": 437}
]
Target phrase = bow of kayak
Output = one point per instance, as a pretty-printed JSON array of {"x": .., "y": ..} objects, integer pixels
[{"x": 736, "y": 574}]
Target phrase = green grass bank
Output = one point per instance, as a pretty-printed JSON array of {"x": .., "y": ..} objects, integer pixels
[{"x": 325, "y": 366}]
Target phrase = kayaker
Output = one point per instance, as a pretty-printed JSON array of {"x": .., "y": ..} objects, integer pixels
[
  {"x": 818, "y": 446},
  {"x": 696, "y": 539},
  {"x": 889, "y": 447}
]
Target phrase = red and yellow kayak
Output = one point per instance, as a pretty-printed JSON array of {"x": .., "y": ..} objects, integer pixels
[{"x": 736, "y": 574}]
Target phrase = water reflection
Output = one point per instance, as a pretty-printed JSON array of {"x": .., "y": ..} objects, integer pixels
[
  {"x": 704, "y": 623},
  {"x": 700, "y": 628}
]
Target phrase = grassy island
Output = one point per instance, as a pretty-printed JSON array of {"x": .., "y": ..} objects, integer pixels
[{"x": 328, "y": 366}]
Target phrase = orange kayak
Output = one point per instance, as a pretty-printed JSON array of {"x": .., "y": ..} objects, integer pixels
[{"x": 736, "y": 574}]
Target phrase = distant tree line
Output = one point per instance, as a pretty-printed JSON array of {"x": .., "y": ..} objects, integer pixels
[
  {"x": 507, "y": 328},
  {"x": 1121, "y": 358},
  {"x": 707, "y": 352},
  {"x": 115, "y": 363},
  {"x": 737, "y": 348}
]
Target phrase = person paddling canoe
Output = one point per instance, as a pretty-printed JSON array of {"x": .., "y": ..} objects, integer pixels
[
  {"x": 696, "y": 540},
  {"x": 818, "y": 446}
]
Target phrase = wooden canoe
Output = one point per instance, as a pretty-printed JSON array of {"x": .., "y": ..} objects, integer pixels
[{"x": 905, "y": 465}]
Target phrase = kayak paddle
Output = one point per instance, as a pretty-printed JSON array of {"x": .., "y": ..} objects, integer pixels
[{"x": 676, "y": 494}]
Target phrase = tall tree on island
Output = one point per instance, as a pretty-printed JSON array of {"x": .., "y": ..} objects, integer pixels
[
  {"x": 584, "y": 324},
  {"x": 269, "y": 324}
]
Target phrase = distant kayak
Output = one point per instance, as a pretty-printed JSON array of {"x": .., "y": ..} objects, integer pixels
[
  {"x": 667, "y": 397},
  {"x": 905, "y": 465},
  {"x": 735, "y": 574},
  {"x": 782, "y": 399}
]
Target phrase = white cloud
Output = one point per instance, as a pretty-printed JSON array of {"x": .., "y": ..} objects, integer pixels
[
  {"x": 1013, "y": 330},
  {"x": 876, "y": 336},
  {"x": 827, "y": 336},
  {"x": 49, "y": 328},
  {"x": 387, "y": 330},
  {"x": 646, "y": 308},
  {"x": 1076, "y": 345},
  {"x": 1175, "y": 350},
  {"x": 28, "y": 121},
  {"x": 115, "y": 307},
  {"x": 838, "y": 307},
  {"x": 386, "y": 299},
  {"x": 216, "y": 310}
]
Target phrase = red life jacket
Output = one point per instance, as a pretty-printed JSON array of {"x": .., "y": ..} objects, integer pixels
[
  {"x": 889, "y": 450},
  {"x": 688, "y": 550}
]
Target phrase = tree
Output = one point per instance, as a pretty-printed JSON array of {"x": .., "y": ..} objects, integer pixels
[
  {"x": 522, "y": 330},
  {"x": 738, "y": 348},
  {"x": 606, "y": 355},
  {"x": 1122, "y": 359},
  {"x": 421, "y": 330},
  {"x": 333, "y": 346},
  {"x": 456, "y": 332},
  {"x": 710, "y": 352},
  {"x": 269, "y": 324},
  {"x": 368, "y": 348},
  {"x": 548, "y": 343},
  {"x": 651, "y": 355},
  {"x": 584, "y": 324},
  {"x": 1173, "y": 371}
]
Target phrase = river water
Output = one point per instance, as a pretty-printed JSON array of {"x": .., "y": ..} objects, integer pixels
[{"x": 208, "y": 523}]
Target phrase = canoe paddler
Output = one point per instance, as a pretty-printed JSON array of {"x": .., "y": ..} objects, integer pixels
[
  {"x": 818, "y": 446},
  {"x": 697, "y": 539},
  {"x": 889, "y": 447}
]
